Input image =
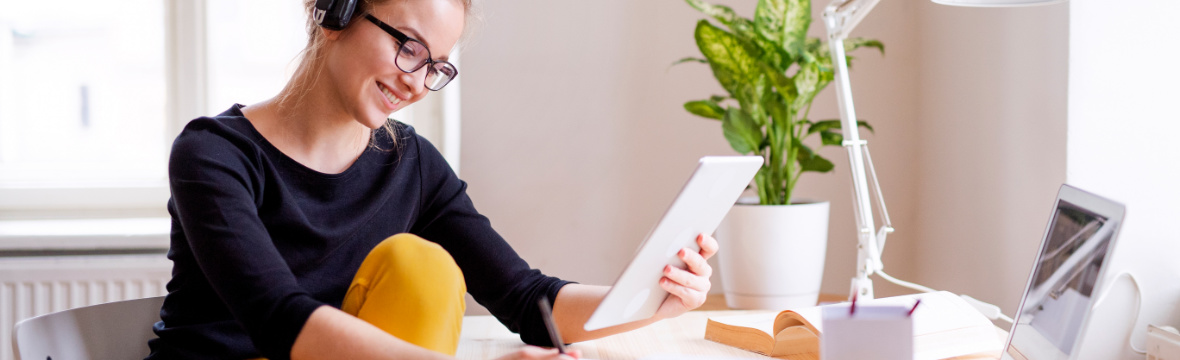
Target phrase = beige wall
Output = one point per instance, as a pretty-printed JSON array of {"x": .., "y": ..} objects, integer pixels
[
  {"x": 574, "y": 139},
  {"x": 992, "y": 154}
]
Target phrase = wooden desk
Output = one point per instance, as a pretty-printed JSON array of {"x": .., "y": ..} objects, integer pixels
[{"x": 485, "y": 338}]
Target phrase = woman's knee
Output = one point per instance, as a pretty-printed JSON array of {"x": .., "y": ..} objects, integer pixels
[{"x": 419, "y": 263}]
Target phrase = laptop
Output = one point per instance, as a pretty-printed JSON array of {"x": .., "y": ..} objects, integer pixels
[{"x": 1067, "y": 277}]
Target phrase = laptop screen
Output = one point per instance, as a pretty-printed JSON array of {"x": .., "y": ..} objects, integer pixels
[{"x": 1057, "y": 300}]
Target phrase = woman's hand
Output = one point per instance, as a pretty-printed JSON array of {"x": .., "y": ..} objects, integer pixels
[
  {"x": 529, "y": 352},
  {"x": 690, "y": 286}
]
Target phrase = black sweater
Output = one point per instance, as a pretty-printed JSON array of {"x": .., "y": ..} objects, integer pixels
[{"x": 259, "y": 241}]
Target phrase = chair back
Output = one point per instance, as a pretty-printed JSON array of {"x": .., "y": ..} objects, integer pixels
[{"x": 115, "y": 331}]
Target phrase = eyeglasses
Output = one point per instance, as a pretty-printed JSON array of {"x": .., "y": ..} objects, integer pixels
[{"x": 413, "y": 55}]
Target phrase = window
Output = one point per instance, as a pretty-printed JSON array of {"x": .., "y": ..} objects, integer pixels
[
  {"x": 92, "y": 94},
  {"x": 81, "y": 96},
  {"x": 253, "y": 48}
]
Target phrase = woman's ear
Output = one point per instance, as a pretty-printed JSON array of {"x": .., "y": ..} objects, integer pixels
[{"x": 330, "y": 34}]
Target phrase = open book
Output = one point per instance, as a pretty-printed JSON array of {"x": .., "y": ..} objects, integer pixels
[{"x": 945, "y": 326}]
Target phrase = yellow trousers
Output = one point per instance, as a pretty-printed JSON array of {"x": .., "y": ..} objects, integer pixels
[{"x": 412, "y": 289}]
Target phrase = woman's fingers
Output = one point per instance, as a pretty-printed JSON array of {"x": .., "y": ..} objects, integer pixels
[
  {"x": 708, "y": 245},
  {"x": 692, "y": 284},
  {"x": 691, "y": 298},
  {"x": 681, "y": 277},
  {"x": 696, "y": 263}
]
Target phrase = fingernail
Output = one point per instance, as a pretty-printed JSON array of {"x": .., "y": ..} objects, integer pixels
[
  {"x": 683, "y": 252},
  {"x": 667, "y": 269}
]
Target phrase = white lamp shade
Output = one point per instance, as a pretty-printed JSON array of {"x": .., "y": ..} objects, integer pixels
[{"x": 997, "y": 3}]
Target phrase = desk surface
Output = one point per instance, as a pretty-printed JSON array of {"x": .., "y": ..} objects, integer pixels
[{"x": 485, "y": 338}]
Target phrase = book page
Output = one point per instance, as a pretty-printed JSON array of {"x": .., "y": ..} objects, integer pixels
[
  {"x": 762, "y": 321},
  {"x": 813, "y": 315},
  {"x": 943, "y": 311},
  {"x": 947, "y": 326}
]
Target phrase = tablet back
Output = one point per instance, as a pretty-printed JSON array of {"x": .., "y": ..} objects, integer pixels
[{"x": 701, "y": 205}]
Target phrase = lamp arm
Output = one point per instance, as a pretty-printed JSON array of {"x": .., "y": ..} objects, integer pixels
[
  {"x": 846, "y": 14},
  {"x": 840, "y": 17},
  {"x": 886, "y": 224}
]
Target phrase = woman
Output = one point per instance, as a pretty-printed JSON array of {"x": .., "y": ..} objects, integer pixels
[{"x": 283, "y": 213}]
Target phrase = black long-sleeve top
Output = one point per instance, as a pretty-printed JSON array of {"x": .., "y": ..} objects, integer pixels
[{"x": 260, "y": 241}]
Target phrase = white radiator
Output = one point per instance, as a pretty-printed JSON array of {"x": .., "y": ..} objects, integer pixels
[{"x": 37, "y": 285}]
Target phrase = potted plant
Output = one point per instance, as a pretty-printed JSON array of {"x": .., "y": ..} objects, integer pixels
[{"x": 773, "y": 249}]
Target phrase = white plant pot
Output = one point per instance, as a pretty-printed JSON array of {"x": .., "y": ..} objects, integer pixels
[{"x": 772, "y": 256}]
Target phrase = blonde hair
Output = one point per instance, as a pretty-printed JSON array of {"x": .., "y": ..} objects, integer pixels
[{"x": 308, "y": 72}]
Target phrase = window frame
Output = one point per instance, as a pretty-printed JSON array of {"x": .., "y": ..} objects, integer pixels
[{"x": 187, "y": 84}]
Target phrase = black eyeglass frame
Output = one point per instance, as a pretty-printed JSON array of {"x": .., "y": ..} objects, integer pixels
[{"x": 402, "y": 39}]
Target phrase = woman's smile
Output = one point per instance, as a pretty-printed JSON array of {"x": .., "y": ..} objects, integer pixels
[{"x": 392, "y": 102}]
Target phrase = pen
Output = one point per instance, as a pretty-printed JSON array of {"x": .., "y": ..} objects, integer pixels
[
  {"x": 852, "y": 308},
  {"x": 547, "y": 315}
]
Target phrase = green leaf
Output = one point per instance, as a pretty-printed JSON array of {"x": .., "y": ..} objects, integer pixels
[
  {"x": 744, "y": 29},
  {"x": 725, "y": 15},
  {"x": 807, "y": 81},
  {"x": 779, "y": 126},
  {"x": 722, "y": 13},
  {"x": 783, "y": 84},
  {"x": 810, "y": 161},
  {"x": 856, "y": 43},
  {"x": 817, "y": 164},
  {"x": 732, "y": 63},
  {"x": 690, "y": 59},
  {"x": 769, "y": 19},
  {"x": 743, "y": 134},
  {"x": 835, "y": 124},
  {"x": 705, "y": 108},
  {"x": 796, "y": 20},
  {"x": 831, "y": 138},
  {"x": 864, "y": 124},
  {"x": 823, "y": 125},
  {"x": 718, "y": 98}
]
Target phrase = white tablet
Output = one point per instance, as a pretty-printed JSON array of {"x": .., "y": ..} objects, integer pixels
[{"x": 701, "y": 205}]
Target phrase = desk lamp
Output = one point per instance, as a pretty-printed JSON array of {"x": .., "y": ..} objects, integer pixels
[{"x": 840, "y": 17}]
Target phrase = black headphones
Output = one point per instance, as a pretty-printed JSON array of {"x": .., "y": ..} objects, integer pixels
[{"x": 333, "y": 14}]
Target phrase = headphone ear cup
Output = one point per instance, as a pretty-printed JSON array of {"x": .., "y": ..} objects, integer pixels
[{"x": 333, "y": 14}]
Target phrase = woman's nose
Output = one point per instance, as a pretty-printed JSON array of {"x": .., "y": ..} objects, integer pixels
[{"x": 415, "y": 82}]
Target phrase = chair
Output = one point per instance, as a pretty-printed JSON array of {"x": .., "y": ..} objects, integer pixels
[{"x": 117, "y": 330}]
